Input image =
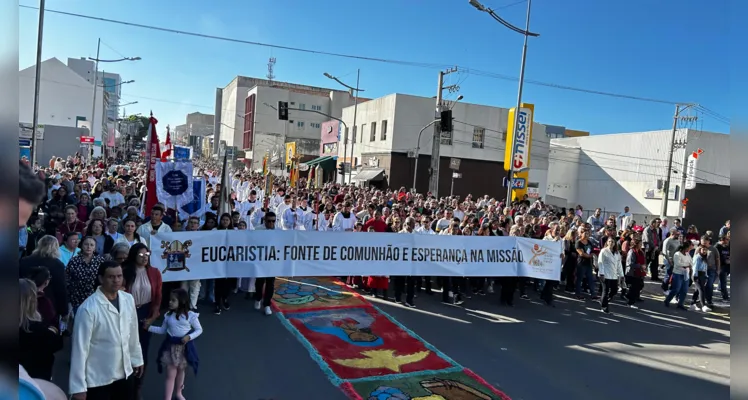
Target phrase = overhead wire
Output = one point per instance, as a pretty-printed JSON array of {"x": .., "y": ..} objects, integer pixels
[{"x": 469, "y": 70}]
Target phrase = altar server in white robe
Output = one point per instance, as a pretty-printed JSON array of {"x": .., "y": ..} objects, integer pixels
[
  {"x": 291, "y": 219},
  {"x": 277, "y": 199},
  {"x": 345, "y": 220}
]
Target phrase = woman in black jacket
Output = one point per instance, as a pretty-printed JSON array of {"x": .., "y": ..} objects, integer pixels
[
  {"x": 38, "y": 342},
  {"x": 47, "y": 254}
]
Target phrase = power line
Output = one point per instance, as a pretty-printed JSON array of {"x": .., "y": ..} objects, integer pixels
[{"x": 477, "y": 72}]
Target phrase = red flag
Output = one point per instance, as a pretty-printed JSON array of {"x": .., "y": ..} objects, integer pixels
[
  {"x": 167, "y": 151},
  {"x": 153, "y": 150}
]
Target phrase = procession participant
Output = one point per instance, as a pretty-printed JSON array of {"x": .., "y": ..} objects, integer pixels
[
  {"x": 106, "y": 353},
  {"x": 406, "y": 283},
  {"x": 154, "y": 226},
  {"x": 223, "y": 286},
  {"x": 290, "y": 218},
  {"x": 265, "y": 287},
  {"x": 344, "y": 220}
]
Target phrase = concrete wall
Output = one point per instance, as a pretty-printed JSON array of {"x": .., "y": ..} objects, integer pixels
[
  {"x": 59, "y": 141},
  {"x": 64, "y": 96},
  {"x": 617, "y": 170}
]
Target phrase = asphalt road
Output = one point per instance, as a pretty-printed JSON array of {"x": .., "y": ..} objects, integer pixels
[{"x": 530, "y": 351}]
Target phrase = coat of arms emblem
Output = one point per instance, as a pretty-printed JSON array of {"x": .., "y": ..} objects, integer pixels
[{"x": 176, "y": 254}]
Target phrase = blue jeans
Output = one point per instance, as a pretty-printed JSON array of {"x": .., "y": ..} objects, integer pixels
[
  {"x": 668, "y": 272},
  {"x": 678, "y": 287},
  {"x": 585, "y": 272},
  {"x": 207, "y": 290},
  {"x": 723, "y": 274},
  {"x": 711, "y": 276}
]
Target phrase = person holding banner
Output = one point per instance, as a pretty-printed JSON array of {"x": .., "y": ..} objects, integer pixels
[
  {"x": 223, "y": 286},
  {"x": 407, "y": 283},
  {"x": 265, "y": 287}
]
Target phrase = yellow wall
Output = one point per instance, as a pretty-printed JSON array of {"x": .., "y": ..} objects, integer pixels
[{"x": 573, "y": 133}]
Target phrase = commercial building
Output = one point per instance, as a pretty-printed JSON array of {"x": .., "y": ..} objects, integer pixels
[
  {"x": 613, "y": 171},
  {"x": 65, "y": 101},
  {"x": 111, "y": 83},
  {"x": 386, "y": 138},
  {"x": 196, "y": 124},
  {"x": 247, "y": 120}
]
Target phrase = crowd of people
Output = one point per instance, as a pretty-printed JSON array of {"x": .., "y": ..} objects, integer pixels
[{"x": 86, "y": 273}]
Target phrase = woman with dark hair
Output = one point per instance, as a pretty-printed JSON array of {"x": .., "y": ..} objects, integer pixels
[
  {"x": 143, "y": 282},
  {"x": 223, "y": 286},
  {"x": 96, "y": 230},
  {"x": 80, "y": 273}
]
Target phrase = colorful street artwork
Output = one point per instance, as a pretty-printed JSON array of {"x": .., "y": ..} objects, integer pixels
[
  {"x": 302, "y": 294},
  {"x": 367, "y": 353},
  {"x": 361, "y": 342},
  {"x": 445, "y": 386}
]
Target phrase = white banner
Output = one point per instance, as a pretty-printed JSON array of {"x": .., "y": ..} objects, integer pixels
[
  {"x": 244, "y": 254},
  {"x": 174, "y": 183},
  {"x": 691, "y": 168}
]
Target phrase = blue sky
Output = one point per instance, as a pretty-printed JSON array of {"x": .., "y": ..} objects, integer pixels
[{"x": 663, "y": 49}]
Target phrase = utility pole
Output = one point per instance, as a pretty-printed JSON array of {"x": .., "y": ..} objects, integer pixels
[
  {"x": 93, "y": 105},
  {"x": 679, "y": 108},
  {"x": 436, "y": 143},
  {"x": 38, "y": 67},
  {"x": 354, "y": 129}
]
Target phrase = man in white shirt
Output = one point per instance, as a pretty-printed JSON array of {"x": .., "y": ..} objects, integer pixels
[
  {"x": 625, "y": 218},
  {"x": 106, "y": 353},
  {"x": 115, "y": 198},
  {"x": 344, "y": 220},
  {"x": 154, "y": 226}
]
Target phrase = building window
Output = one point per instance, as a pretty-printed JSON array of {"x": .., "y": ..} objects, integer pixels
[
  {"x": 479, "y": 137},
  {"x": 300, "y": 124},
  {"x": 353, "y": 138},
  {"x": 249, "y": 121},
  {"x": 316, "y": 107},
  {"x": 503, "y": 136},
  {"x": 373, "y": 135},
  {"x": 554, "y": 135},
  {"x": 384, "y": 130},
  {"x": 302, "y": 106},
  {"x": 446, "y": 137},
  {"x": 363, "y": 129},
  {"x": 314, "y": 125}
]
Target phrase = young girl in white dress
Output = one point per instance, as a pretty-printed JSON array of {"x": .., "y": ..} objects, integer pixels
[{"x": 178, "y": 351}]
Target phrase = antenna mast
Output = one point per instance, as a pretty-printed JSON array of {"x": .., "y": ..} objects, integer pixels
[{"x": 271, "y": 66}]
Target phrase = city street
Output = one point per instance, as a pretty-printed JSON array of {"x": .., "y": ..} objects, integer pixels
[{"x": 531, "y": 351}]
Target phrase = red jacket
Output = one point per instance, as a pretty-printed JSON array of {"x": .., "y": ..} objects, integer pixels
[{"x": 377, "y": 224}]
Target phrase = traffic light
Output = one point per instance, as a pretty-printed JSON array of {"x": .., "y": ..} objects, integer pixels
[
  {"x": 341, "y": 170},
  {"x": 445, "y": 123},
  {"x": 283, "y": 110}
]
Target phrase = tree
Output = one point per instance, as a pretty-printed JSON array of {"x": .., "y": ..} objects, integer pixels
[{"x": 141, "y": 124}]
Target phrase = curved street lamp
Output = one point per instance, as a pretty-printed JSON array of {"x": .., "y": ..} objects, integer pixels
[
  {"x": 526, "y": 33},
  {"x": 355, "y": 111}
]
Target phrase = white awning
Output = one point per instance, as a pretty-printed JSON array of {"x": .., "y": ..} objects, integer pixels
[{"x": 372, "y": 174}]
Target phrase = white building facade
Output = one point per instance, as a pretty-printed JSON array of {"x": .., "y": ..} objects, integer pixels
[
  {"x": 65, "y": 99},
  {"x": 387, "y": 129},
  {"x": 613, "y": 171},
  {"x": 110, "y": 82},
  {"x": 248, "y": 116}
]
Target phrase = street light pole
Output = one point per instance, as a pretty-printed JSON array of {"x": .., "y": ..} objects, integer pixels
[
  {"x": 95, "y": 89},
  {"x": 526, "y": 33},
  {"x": 37, "y": 83},
  {"x": 418, "y": 149},
  {"x": 355, "y": 110},
  {"x": 510, "y": 180}
]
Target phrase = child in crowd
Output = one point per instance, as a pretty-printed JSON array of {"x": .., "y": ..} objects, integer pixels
[{"x": 178, "y": 351}]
